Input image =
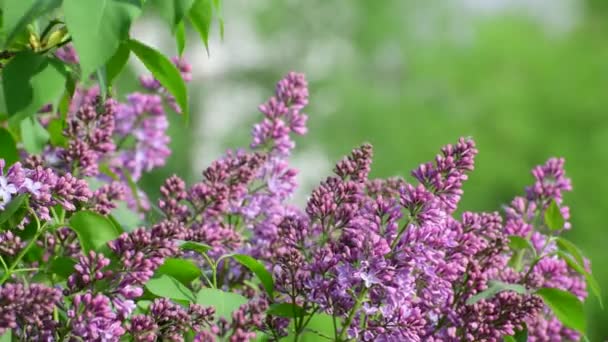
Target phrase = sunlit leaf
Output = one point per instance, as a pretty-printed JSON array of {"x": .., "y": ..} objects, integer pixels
[
  {"x": 16, "y": 14},
  {"x": 181, "y": 269},
  {"x": 258, "y": 269},
  {"x": 200, "y": 16},
  {"x": 97, "y": 28},
  {"x": 93, "y": 229},
  {"x": 164, "y": 71},
  {"x": 31, "y": 81},
  {"x": 287, "y": 310},
  {"x": 566, "y": 307},
  {"x": 168, "y": 287},
  {"x": 33, "y": 135},
  {"x": 223, "y": 302}
]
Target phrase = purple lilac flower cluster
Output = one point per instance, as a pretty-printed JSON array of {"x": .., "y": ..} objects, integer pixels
[
  {"x": 379, "y": 259},
  {"x": 44, "y": 187}
]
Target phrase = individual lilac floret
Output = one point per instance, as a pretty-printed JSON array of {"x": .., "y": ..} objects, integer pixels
[{"x": 283, "y": 116}]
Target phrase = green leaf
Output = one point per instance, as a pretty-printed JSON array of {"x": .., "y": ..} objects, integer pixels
[
  {"x": 258, "y": 269},
  {"x": 521, "y": 335},
  {"x": 164, "y": 71},
  {"x": 200, "y": 16},
  {"x": 97, "y": 28},
  {"x": 518, "y": 243},
  {"x": 195, "y": 246},
  {"x": 117, "y": 62},
  {"x": 33, "y": 135},
  {"x": 181, "y": 269},
  {"x": 55, "y": 129},
  {"x": 173, "y": 11},
  {"x": 217, "y": 4},
  {"x": 7, "y": 336},
  {"x": 553, "y": 217},
  {"x": 8, "y": 147},
  {"x": 103, "y": 82},
  {"x": 569, "y": 247},
  {"x": 580, "y": 269},
  {"x": 144, "y": 304},
  {"x": 93, "y": 230},
  {"x": 223, "y": 302},
  {"x": 495, "y": 287},
  {"x": 287, "y": 310},
  {"x": 180, "y": 38},
  {"x": 10, "y": 209},
  {"x": 566, "y": 307},
  {"x": 168, "y": 287},
  {"x": 17, "y": 14},
  {"x": 62, "y": 266},
  {"x": 31, "y": 81},
  {"x": 320, "y": 325}
]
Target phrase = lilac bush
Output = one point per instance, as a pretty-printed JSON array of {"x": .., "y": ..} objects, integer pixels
[{"x": 231, "y": 258}]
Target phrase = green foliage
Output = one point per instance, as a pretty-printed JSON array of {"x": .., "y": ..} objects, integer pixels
[
  {"x": 17, "y": 14},
  {"x": 287, "y": 310},
  {"x": 520, "y": 336},
  {"x": 168, "y": 287},
  {"x": 195, "y": 246},
  {"x": 553, "y": 217},
  {"x": 566, "y": 307},
  {"x": 173, "y": 11},
  {"x": 33, "y": 136},
  {"x": 13, "y": 207},
  {"x": 8, "y": 147},
  {"x": 93, "y": 229},
  {"x": 223, "y": 302},
  {"x": 180, "y": 38},
  {"x": 98, "y": 27},
  {"x": 200, "y": 17},
  {"x": 30, "y": 81},
  {"x": 181, "y": 269},
  {"x": 117, "y": 62},
  {"x": 164, "y": 71},
  {"x": 320, "y": 327},
  {"x": 495, "y": 287},
  {"x": 258, "y": 269},
  {"x": 55, "y": 131},
  {"x": 520, "y": 243},
  {"x": 592, "y": 284},
  {"x": 7, "y": 336},
  {"x": 62, "y": 266}
]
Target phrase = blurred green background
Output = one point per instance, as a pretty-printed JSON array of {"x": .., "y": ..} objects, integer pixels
[{"x": 527, "y": 79}]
